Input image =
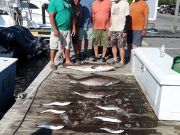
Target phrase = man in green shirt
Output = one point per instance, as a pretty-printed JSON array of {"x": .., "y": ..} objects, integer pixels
[{"x": 60, "y": 14}]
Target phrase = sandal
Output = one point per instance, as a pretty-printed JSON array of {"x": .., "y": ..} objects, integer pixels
[
  {"x": 114, "y": 62},
  {"x": 95, "y": 59},
  {"x": 68, "y": 64},
  {"x": 53, "y": 67}
]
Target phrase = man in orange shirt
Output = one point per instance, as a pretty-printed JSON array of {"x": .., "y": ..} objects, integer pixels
[
  {"x": 101, "y": 10},
  {"x": 139, "y": 12}
]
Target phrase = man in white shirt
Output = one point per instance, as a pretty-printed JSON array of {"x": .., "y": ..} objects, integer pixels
[{"x": 118, "y": 29}]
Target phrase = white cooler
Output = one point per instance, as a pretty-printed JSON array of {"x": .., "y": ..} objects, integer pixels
[
  {"x": 7, "y": 80},
  {"x": 160, "y": 84}
]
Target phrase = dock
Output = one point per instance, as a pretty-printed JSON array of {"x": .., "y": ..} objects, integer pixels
[{"x": 136, "y": 115}]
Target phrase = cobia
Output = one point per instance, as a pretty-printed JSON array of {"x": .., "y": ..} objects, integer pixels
[
  {"x": 95, "y": 80},
  {"x": 88, "y": 67}
]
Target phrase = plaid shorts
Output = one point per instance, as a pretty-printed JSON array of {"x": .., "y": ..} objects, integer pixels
[{"x": 116, "y": 39}]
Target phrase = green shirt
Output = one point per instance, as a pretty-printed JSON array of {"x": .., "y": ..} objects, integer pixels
[{"x": 63, "y": 11}]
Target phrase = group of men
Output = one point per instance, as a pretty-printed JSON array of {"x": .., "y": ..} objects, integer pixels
[{"x": 109, "y": 23}]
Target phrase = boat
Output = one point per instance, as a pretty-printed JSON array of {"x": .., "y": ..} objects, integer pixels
[
  {"x": 30, "y": 14},
  {"x": 17, "y": 19},
  {"x": 7, "y": 82}
]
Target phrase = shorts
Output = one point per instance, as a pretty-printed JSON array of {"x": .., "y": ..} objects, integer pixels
[
  {"x": 100, "y": 38},
  {"x": 117, "y": 39},
  {"x": 85, "y": 33},
  {"x": 134, "y": 37},
  {"x": 64, "y": 39}
]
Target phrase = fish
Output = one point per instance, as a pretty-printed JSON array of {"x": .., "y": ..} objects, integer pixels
[
  {"x": 108, "y": 119},
  {"x": 94, "y": 95},
  {"x": 109, "y": 108},
  {"x": 90, "y": 67},
  {"x": 57, "y": 104},
  {"x": 112, "y": 131},
  {"x": 95, "y": 80},
  {"x": 51, "y": 127},
  {"x": 53, "y": 111}
]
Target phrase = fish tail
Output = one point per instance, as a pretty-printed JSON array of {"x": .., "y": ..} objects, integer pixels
[
  {"x": 71, "y": 77},
  {"x": 73, "y": 81},
  {"x": 76, "y": 93}
]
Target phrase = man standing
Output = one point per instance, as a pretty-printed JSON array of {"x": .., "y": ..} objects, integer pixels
[
  {"x": 85, "y": 29},
  {"x": 139, "y": 14},
  {"x": 101, "y": 10},
  {"x": 119, "y": 27},
  {"x": 77, "y": 15},
  {"x": 60, "y": 12}
]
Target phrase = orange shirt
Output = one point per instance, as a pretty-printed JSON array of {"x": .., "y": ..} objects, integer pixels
[
  {"x": 139, "y": 11},
  {"x": 101, "y": 10}
]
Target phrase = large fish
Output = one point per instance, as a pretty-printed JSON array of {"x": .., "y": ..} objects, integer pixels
[
  {"x": 108, "y": 119},
  {"x": 51, "y": 127},
  {"x": 88, "y": 67},
  {"x": 57, "y": 104},
  {"x": 92, "y": 94},
  {"x": 108, "y": 108},
  {"x": 112, "y": 131},
  {"x": 95, "y": 80},
  {"x": 53, "y": 111}
]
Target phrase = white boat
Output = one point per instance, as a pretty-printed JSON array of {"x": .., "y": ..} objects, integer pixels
[
  {"x": 7, "y": 81},
  {"x": 30, "y": 14}
]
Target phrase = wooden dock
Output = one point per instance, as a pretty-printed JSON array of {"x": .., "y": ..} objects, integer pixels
[{"x": 136, "y": 114}]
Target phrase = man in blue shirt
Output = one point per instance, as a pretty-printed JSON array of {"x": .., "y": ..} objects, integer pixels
[{"x": 85, "y": 28}]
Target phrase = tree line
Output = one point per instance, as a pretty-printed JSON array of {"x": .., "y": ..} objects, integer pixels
[{"x": 161, "y": 2}]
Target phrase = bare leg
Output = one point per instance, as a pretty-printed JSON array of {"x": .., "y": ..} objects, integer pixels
[
  {"x": 104, "y": 51},
  {"x": 85, "y": 46},
  {"x": 79, "y": 45},
  {"x": 96, "y": 51},
  {"x": 129, "y": 47},
  {"x": 114, "y": 51},
  {"x": 122, "y": 54},
  {"x": 67, "y": 55},
  {"x": 76, "y": 50},
  {"x": 52, "y": 55}
]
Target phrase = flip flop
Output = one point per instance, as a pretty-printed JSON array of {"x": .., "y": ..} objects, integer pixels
[
  {"x": 68, "y": 64},
  {"x": 53, "y": 67}
]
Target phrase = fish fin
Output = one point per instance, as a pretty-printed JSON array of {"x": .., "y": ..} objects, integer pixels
[
  {"x": 92, "y": 74},
  {"x": 71, "y": 77},
  {"x": 36, "y": 124},
  {"x": 41, "y": 105},
  {"x": 93, "y": 67}
]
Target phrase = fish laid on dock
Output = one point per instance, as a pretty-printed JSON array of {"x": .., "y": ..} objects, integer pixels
[
  {"x": 92, "y": 94},
  {"x": 108, "y": 119},
  {"x": 51, "y": 127},
  {"x": 112, "y": 131},
  {"x": 57, "y": 104},
  {"x": 95, "y": 80},
  {"x": 109, "y": 108},
  {"x": 53, "y": 111},
  {"x": 91, "y": 67}
]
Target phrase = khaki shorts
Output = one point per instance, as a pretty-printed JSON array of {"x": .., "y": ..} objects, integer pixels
[
  {"x": 64, "y": 39},
  {"x": 100, "y": 38},
  {"x": 85, "y": 33}
]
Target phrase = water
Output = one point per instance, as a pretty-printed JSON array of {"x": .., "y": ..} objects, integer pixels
[{"x": 26, "y": 71}]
